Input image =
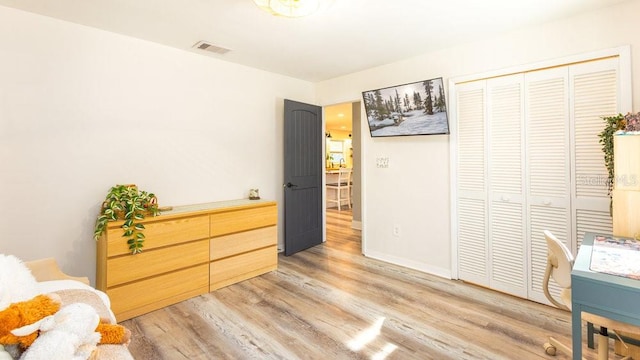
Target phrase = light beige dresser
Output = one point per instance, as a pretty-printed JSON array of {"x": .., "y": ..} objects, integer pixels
[{"x": 188, "y": 251}]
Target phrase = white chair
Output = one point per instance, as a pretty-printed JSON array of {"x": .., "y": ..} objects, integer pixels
[
  {"x": 559, "y": 265},
  {"x": 342, "y": 185}
]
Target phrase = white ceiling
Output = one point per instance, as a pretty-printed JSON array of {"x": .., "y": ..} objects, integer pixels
[{"x": 344, "y": 37}]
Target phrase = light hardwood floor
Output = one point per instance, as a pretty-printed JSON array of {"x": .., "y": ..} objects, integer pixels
[{"x": 330, "y": 302}]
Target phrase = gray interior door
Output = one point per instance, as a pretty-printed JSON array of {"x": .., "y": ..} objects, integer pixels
[{"x": 303, "y": 170}]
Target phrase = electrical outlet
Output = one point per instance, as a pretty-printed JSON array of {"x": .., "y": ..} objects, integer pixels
[
  {"x": 382, "y": 162},
  {"x": 396, "y": 230}
]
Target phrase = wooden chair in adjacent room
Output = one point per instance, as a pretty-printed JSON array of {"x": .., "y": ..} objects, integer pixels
[{"x": 342, "y": 188}]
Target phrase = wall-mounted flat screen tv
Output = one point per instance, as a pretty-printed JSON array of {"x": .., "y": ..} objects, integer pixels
[{"x": 417, "y": 108}]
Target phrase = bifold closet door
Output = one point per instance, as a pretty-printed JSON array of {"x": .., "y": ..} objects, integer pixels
[
  {"x": 490, "y": 202},
  {"x": 574, "y": 200},
  {"x": 473, "y": 263},
  {"x": 594, "y": 94},
  {"x": 548, "y": 166},
  {"x": 528, "y": 159},
  {"x": 506, "y": 240}
]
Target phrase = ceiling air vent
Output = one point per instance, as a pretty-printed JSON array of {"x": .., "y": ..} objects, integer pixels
[{"x": 205, "y": 46}]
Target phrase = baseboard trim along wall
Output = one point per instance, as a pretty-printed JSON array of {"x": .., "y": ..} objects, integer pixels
[
  {"x": 356, "y": 225},
  {"x": 433, "y": 270}
]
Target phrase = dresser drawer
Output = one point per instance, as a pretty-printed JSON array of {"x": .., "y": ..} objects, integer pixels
[
  {"x": 154, "y": 293},
  {"x": 159, "y": 233},
  {"x": 233, "y": 269},
  {"x": 124, "y": 269},
  {"x": 229, "y": 245},
  {"x": 230, "y": 222}
]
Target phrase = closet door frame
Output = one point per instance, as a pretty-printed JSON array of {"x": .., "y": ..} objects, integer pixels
[{"x": 624, "y": 85}]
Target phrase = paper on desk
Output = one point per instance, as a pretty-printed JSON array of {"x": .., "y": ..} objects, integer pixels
[{"x": 616, "y": 256}]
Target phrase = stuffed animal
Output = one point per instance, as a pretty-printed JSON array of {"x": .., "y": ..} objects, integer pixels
[
  {"x": 26, "y": 317},
  {"x": 68, "y": 335},
  {"x": 23, "y": 307},
  {"x": 25, "y": 313},
  {"x": 20, "y": 302},
  {"x": 113, "y": 334}
]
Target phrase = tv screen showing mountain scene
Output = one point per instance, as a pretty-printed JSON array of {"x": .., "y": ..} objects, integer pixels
[{"x": 417, "y": 108}]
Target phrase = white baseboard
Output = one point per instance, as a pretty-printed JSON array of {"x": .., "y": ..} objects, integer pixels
[
  {"x": 411, "y": 264},
  {"x": 356, "y": 225}
]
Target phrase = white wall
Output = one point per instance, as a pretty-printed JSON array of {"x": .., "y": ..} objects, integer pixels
[
  {"x": 414, "y": 191},
  {"x": 73, "y": 100},
  {"x": 82, "y": 110}
]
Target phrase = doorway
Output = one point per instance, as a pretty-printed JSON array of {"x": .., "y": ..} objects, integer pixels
[{"x": 342, "y": 150}]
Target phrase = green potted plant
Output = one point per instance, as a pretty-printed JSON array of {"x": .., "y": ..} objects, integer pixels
[
  {"x": 612, "y": 124},
  {"x": 128, "y": 203}
]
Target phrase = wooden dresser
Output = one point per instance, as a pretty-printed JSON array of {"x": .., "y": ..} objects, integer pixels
[{"x": 188, "y": 251}]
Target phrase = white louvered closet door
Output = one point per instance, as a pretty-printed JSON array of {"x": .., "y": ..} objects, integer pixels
[
  {"x": 548, "y": 167},
  {"x": 528, "y": 159},
  {"x": 594, "y": 94},
  {"x": 507, "y": 250},
  {"x": 473, "y": 260}
]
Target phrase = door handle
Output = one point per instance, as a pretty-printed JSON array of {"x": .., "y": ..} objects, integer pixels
[{"x": 289, "y": 185}]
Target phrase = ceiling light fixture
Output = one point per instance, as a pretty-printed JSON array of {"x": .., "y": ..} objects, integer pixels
[{"x": 289, "y": 8}]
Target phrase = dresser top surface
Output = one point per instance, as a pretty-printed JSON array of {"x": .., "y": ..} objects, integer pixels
[{"x": 227, "y": 204}]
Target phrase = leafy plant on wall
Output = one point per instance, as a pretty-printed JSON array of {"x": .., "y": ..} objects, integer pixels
[
  {"x": 613, "y": 124},
  {"x": 128, "y": 203}
]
